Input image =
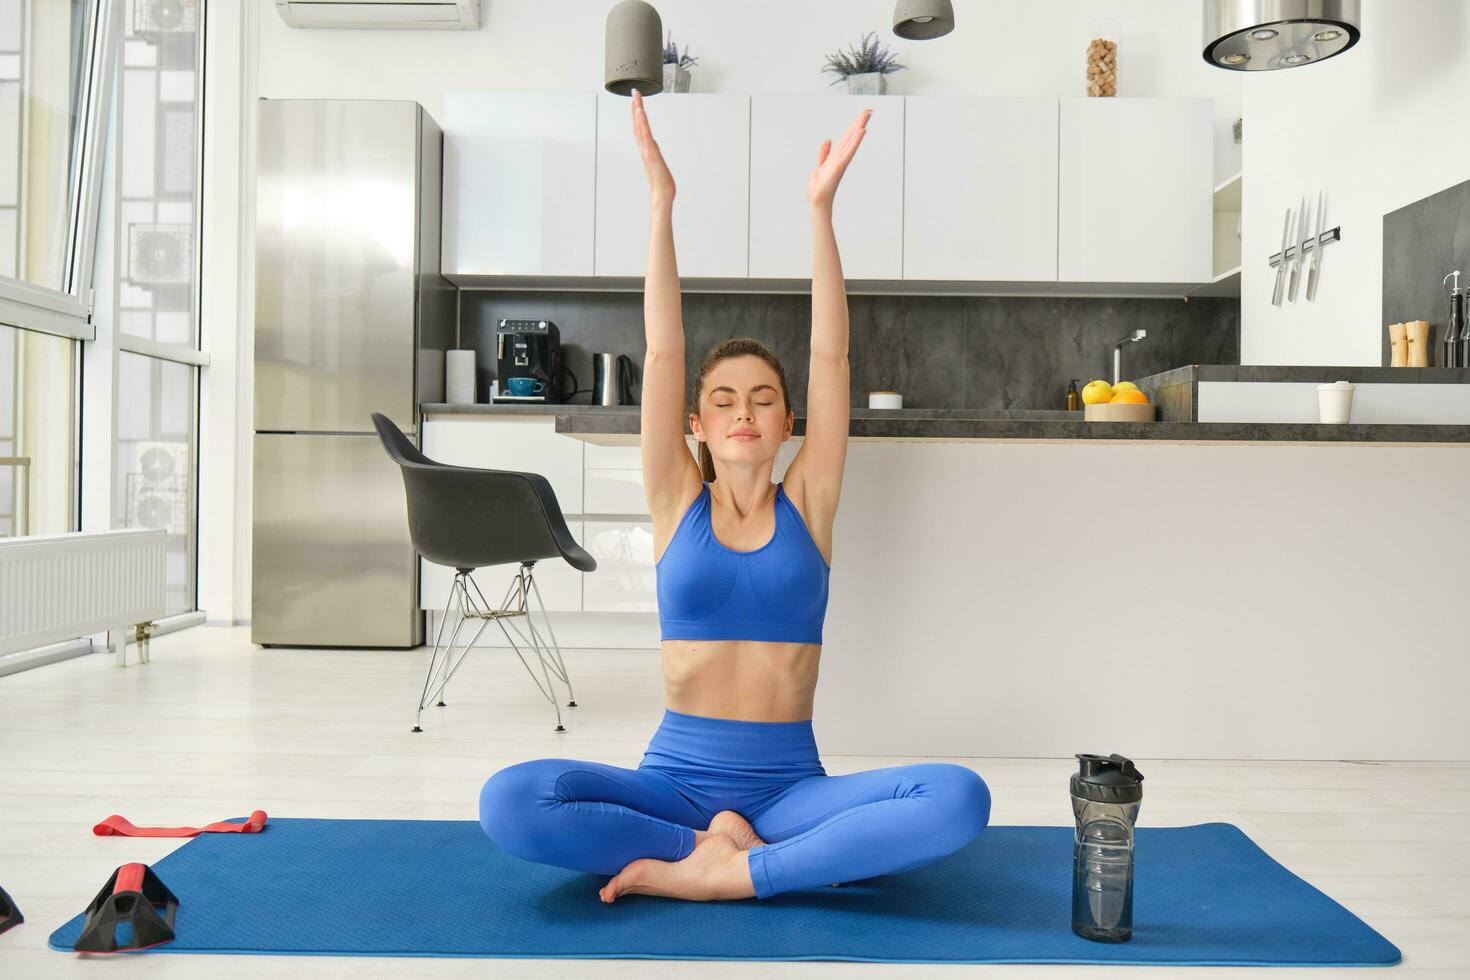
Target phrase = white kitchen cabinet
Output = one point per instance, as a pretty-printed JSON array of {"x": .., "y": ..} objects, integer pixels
[
  {"x": 528, "y": 443},
  {"x": 597, "y": 457},
  {"x": 1136, "y": 184},
  {"x": 705, "y": 140},
  {"x": 624, "y": 580},
  {"x": 786, "y": 131},
  {"x": 614, "y": 491},
  {"x": 519, "y": 183},
  {"x": 979, "y": 188}
]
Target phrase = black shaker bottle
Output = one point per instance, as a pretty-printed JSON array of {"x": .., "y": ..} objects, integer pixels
[{"x": 1106, "y": 794}]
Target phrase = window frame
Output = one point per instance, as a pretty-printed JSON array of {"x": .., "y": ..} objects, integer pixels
[{"x": 67, "y": 312}]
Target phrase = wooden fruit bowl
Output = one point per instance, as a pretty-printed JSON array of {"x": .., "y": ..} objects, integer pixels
[{"x": 1121, "y": 412}]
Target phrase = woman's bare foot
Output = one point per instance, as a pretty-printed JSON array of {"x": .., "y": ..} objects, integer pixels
[
  {"x": 735, "y": 827},
  {"x": 716, "y": 870}
]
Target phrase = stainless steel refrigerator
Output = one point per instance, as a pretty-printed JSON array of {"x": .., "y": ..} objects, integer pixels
[{"x": 352, "y": 317}]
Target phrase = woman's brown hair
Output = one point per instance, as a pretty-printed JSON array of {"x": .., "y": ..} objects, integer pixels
[{"x": 735, "y": 347}]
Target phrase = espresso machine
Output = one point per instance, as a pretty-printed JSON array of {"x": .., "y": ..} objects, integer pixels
[{"x": 530, "y": 350}]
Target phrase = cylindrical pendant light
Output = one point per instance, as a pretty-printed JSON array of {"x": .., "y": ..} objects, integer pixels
[
  {"x": 1262, "y": 35},
  {"x": 635, "y": 49},
  {"x": 920, "y": 20}
]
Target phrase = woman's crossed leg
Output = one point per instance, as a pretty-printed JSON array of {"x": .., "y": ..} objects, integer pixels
[{"x": 639, "y": 824}]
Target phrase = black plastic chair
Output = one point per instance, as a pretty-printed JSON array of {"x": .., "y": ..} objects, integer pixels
[{"x": 468, "y": 518}]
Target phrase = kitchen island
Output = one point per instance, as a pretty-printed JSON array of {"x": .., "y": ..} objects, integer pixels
[{"x": 1015, "y": 584}]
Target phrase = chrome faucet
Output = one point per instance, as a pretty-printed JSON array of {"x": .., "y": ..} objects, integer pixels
[{"x": 1132, "y": 338}]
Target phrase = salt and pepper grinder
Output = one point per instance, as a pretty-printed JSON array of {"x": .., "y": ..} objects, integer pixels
[
  {"x": 1398, "y": 345},
  {"x": 1418, "y": 334},
  {"x": 1454, "y": 346}
]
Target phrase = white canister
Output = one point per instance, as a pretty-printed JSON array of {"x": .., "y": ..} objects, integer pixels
[
  {"x": 459, "y": 377},
  {"x": 885, "y": 399},
  {"x": 1335, "y": 402}
]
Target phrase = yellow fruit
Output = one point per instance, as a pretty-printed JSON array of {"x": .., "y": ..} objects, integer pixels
[
  {"x": 1097, "y": 393},
  {"x": 1125, "y": 384},
  {"x": 1129, "y": 396}
]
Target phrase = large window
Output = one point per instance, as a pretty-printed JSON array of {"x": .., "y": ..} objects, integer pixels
[
  {"x": 54, "y": 75},
  {"x": 51, "y": 64},
  {"x": 154, "y": 482},
  {"x": 156, "y": 219},
  {"x": 42, "y": 52},
  {"x": 37, "y": 426}
]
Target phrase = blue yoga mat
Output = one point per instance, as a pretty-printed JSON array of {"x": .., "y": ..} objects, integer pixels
[{"x": 1205, "y": 895}]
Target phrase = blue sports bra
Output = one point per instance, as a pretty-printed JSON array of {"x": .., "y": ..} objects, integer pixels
[{"x": 706, "y": 591}]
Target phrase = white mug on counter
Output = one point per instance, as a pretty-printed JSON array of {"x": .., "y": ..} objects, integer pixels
[
  {"x": 1335, "y": 402},
  {"x": 459, "y": 377},
  {"x": 885, "y": 399}
]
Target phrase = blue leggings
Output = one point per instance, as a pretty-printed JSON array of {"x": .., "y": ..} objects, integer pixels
[{"x": 819, "y": 829}]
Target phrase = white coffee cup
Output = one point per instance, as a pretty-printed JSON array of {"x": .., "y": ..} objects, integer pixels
[
  {"x": 459, "y": 377},
  {"x": 1335, "y": 402},
  {"x": 885, "y": 399}
]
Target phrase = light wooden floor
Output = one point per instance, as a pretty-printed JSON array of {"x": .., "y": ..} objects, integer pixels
[{"x": 215, "y": 727}]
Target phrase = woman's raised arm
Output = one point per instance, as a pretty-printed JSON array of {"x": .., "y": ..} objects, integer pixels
[
  {"x": 669, "y": 468},
  {"x": 816, "y": 472}
]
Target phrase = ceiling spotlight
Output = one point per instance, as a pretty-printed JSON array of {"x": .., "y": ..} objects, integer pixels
[
  {"x": 920, "y": 20},
  {"x": 1259, "y": 35}
]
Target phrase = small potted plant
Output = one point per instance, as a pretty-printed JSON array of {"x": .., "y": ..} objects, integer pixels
[
  {"x": 864, "y": 68},
  {"x": 676, "y": 66}
]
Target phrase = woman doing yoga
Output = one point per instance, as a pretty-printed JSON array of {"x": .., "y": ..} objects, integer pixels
[{"x": 731, "y": 799}]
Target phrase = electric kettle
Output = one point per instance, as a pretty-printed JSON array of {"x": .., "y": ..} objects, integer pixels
[{"x": 612, "y": 379}]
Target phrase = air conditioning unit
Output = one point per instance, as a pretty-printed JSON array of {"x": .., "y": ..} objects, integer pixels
[
  {"x": 160, "y": 253},
  {"x": 165, "y": 17},
  {"x": 157, "y": 484},
  {"x": 430, "y": 15}
]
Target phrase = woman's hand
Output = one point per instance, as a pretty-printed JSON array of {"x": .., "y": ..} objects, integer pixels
[
  {"x": 832, "y": 162},
  {"x": 660, "y": 181}
]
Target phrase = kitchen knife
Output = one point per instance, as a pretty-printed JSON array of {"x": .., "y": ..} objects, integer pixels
[
  {"x": 1281, "y": 268},
  {"x": 1316, "y": 250},
  {"x": 1296, "y": 261}
]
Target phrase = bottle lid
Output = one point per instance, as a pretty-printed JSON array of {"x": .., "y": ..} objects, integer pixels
[
  {"x": 1107, "y": 779},
  {"x": 1455, "y": 286}
]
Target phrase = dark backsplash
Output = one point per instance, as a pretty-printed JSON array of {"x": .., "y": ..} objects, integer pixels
[
  {"x": 940, "y": 351},
  {"x": 1421, "y": 243}
]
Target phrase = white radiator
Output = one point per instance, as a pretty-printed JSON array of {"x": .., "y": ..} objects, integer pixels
[{"x": 62, "y": 586}]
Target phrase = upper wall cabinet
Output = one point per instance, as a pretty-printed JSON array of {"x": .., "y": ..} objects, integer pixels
[
  {"x": 705, "y": 139},
  {"x": 1136, "y": 182},
  {"x": 519, "y": 179},
  {"x": 786, "y": 131},
  {"x": 979, "y": 189}
]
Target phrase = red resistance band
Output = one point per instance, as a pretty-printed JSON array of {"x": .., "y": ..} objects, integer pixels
[{"x": 122, "y": 827}]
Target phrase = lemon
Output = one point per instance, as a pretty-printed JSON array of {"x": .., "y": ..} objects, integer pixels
[
  {"x": 1125, "y": 384},
  {"x": 1097, "y": 393}
]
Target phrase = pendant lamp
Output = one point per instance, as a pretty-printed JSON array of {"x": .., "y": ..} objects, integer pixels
[
  {"x": 635, "y": 49},
  {"x": 1263, "y": 35},
  {"x": 920, "y": 20}
]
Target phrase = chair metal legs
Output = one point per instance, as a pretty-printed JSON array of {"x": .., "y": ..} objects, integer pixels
[{"x": 468, "y": 602}]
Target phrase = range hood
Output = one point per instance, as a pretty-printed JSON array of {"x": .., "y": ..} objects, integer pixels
[{"x": 1263, "y": 35}]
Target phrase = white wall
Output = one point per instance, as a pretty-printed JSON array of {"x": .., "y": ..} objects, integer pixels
[{"x": 1377, "y": 128}]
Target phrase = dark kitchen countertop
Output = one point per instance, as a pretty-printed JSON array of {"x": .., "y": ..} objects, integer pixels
[{"x": 620, "y": 425}]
